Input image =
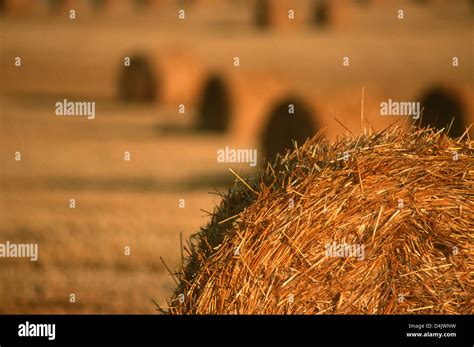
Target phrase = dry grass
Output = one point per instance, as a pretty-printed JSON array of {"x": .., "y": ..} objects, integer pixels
[{"x": 417, "y": 257}]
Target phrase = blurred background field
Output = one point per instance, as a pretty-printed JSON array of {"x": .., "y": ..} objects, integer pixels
[{"x": 173, "y": 155}]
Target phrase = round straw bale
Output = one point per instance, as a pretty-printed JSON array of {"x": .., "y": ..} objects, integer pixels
[
  {"x": 347, "y": 110},
  {"x": 289, "y": 120},
  {"x": 82, "y": 7},
  {"x": 209, "y": 4},
  {"x": 20, "y": 8},
  {"x": 281, "y": 14},
  {"x": 215, "y": 107},
  {"x": 262, "y": 13},
  {"x": 139, "y": 81},
  {"x": 331, "y": 13},
  {"x": 170, "y": 77},
  {"x": 104, "y": 7},
  {"x": 363, "y": 3},
  {"x": 372, "y": 224},
  {"x": 338, "y": 113},
  {"x": 443, "y": 104},
  {"x": 238, "y": 102},
  {"x": 248, "y": 106},
  {"x": 148, "y": 6}
]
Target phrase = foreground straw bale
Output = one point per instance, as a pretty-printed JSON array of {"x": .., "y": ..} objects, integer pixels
[{"x": 406, "y": 198}]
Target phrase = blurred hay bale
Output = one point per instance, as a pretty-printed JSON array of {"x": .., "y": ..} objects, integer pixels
[
  {"x": 255, "y": 108},
  {"x": 346, "y": 110},
  {"x": 335, "y": 111},
  {"x": 171, "y": 77},
  {"x": 139, "y": 81},
  {"x": 238, "y": 101},
  {"x": 139, "y": 6},
  {"x": 332, "y": 13},
  {"x": 105, "y": 7},
  {"x": 209, "y": 4},
  {"x": 290, "y": 119},
  {"x": 21, "y": 8},
  {"x": 111, "y": 7},
  {"x": 400, "y": 195},
  {"x": 215, "y": 105},
  {"x": 442, "y": 104},
  {"x": 279, "y": 14},
  {"x": 82, "y": 7}
]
